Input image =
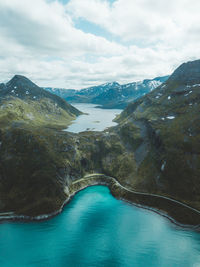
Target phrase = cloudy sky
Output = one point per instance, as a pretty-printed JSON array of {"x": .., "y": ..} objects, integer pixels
[{"x": 79, "y": 43}]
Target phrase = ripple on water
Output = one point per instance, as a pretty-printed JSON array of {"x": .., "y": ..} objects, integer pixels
[{"x": 95, "y": 229}]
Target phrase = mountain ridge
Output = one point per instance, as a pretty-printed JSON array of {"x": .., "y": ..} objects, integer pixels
[
  {"x": 187, "y": 73},
  {"x": 21, "y": 97},
  {"x": 172, "y": 138},
  {"x": 112, "y": 94}
]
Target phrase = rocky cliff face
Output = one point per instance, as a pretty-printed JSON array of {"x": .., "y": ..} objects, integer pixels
[{"x": 170, "y": 129}]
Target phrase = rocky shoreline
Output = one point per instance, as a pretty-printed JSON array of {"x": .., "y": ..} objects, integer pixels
[{"x": 178, "y": 213}]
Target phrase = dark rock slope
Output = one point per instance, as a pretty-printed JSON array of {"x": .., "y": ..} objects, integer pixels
[
  {"x": 154, "y": 149},
  {"x": 168, "y": 157}
]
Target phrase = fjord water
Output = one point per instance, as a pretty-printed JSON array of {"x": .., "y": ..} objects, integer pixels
[
  {"x": 95, "y": 229},
  {"x": 97, "y": 119}
]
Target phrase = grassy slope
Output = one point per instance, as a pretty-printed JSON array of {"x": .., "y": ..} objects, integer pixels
[
  {"x": 30, "y": 144},
  {"x": 43, "y": 112},
  {"x": 35, "y": 157},
  {"x": 172, "y": 162}
]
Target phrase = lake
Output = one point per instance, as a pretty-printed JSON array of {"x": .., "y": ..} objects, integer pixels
[
  {"x": 95, "y": 229},
  {"x": 97, "y": 119}
]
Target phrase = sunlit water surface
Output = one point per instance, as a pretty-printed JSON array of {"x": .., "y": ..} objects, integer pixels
[
  {"x": 97, "y": 119},
  {"x": 95, "y": 229}
]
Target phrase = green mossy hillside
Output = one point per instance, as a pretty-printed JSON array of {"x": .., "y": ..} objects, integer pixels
[
  {"x": 155, "y": 148},
  {"x": 170, "y": 127},
  {"x": 43, "y": 112}
]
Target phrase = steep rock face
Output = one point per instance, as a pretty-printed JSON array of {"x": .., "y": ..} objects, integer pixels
[{"x": 169, "y": 122}]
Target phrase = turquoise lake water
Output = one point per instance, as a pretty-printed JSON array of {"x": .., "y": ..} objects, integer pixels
[{"x": 95, "y": 229}]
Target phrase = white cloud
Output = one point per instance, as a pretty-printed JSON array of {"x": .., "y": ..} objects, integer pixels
[
  {"x": 39, "y": 39},
  {"x": 144, "y": 20},
  {"x": 45, "y": 28}
]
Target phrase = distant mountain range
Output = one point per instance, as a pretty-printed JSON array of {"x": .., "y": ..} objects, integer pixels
[{"x": 110, "y": 95}]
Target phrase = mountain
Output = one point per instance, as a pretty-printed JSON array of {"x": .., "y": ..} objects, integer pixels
[
  {"x": 120, "y": 96},
  {"x": 165, "y": 125},
  {"x": 31, "y": 120},
  {"x": 97, "y": 90},
  {"x": 64, "y": 93},
  {"x": 187, "y": 73},
  {"x": 110, "y": 95},
  {"x": 22, "y": 99},
  {"x": 114, "y": 95},
  {"x": 152, "y": 155}
]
